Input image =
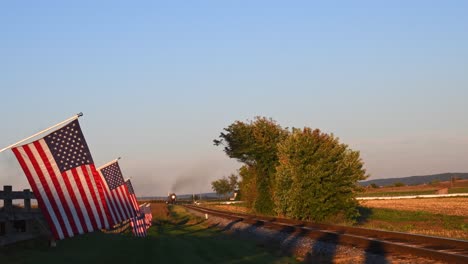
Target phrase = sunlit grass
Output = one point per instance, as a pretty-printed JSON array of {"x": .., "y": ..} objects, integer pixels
[
  {"x": 419, "y": 222},
  {"x": 175, "y": 237}
]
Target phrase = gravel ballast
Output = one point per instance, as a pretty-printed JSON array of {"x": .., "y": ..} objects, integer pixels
[{"x": 305, "y": 248}]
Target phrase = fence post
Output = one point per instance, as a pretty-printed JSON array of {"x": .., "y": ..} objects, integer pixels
[
  {"x": 27, "y": 208},
  {"x": 8, "y": 207},
  {"x": 27, "y": 200},
  {"x": 7, "y": 202}
]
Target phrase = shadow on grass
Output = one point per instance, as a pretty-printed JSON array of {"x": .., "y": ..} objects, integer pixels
[
  {"x": 229, "y": 226},
  {"x": 179, "y": 239},
  {"x": 208, "y": 228},
  {"x": 364, "y": 215},
  {"x": 182, "y": 221},
  {"x": 196, "y": 223}
]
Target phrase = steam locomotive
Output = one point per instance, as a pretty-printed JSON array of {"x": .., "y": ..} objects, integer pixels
[{"x": 171, "y": 198}]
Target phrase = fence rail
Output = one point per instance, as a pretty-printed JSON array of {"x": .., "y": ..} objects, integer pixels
[
  {"x": 20, "y": 223},
  {"x": 119, "y": 228}
]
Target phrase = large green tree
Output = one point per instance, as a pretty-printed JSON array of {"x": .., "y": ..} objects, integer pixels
[
  {"x": 254, "y": 143},
  {"x": 316, "y": 176}
]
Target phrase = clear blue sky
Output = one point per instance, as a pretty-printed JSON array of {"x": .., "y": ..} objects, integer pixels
[{"x": 158, "y": 81}]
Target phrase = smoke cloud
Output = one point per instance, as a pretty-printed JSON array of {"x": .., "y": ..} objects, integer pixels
[{"x": 198, "y": 178}]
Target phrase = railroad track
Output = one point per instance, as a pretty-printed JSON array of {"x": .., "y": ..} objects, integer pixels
[{"x": 375, "y": 241}]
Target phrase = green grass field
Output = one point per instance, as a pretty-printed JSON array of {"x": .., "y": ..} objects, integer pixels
[
  {"x": 458, "y": 190},
  {"x": 416, "y": 222},
  {"x": 395, "y": 216},
  {"x": 178, "y": 239}
]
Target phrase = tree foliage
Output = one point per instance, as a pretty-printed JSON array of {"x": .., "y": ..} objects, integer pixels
[
  {"x": 304, "y": 174},
  {"x": 233, "y": 182},
  {"x": 316, "y": 177},
  {"x": 221, "y": 186},
  {"x": 224, "y": 186},
  {"x": 248, "y": 185},
  {"x": 255, "y": 144}
]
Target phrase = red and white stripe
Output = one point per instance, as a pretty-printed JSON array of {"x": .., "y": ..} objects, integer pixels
[
  {"x": 72, "y": 202},
  {"x": 138, "y": 226},
  {"x": 146, "y": 209},
  {"x": 134, "y": 203},
  {"x": 120, "y": 203}
]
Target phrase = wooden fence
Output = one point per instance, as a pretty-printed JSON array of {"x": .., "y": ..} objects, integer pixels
[
  {"x": 19, "y": 223},
  {"x": 119, "y": 228}
]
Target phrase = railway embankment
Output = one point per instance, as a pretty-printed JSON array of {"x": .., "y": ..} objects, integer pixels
[{"x": 318, "y": 247}]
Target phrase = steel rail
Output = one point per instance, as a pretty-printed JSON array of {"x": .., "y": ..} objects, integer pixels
[{"x": 376, "y": 241}]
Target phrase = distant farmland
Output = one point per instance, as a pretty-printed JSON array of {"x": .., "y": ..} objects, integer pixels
[{"x": 416, "y": 180}]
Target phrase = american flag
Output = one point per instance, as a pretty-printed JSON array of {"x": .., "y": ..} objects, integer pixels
[
  {"x": 148, "y": 215},
  {"x": 138, "y": 224},
  {"x": 62, "y": 175},
  {"x": 117, "y": 194},
  {"x": 133, "y": 199}
]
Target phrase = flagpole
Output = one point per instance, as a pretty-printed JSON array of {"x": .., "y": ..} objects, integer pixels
[
  {"x": 109, "y": 163},
  {"x": 45, "y": 130}
]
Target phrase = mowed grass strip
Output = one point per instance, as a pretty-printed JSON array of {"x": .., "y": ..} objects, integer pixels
[
  {"x": 458, "y": 190},
  {"x": 175, "y": 237},
  {"x": 417, "y": 222}
]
